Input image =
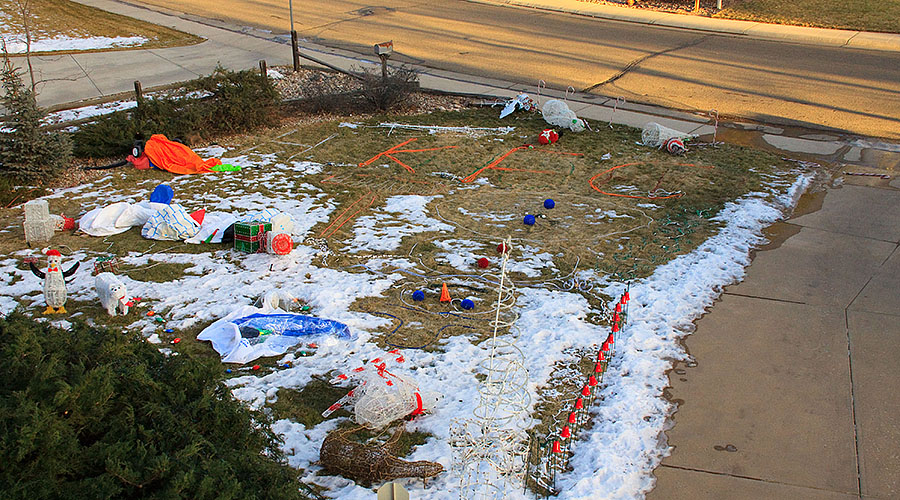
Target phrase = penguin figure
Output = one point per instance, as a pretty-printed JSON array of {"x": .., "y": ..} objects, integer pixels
[{"x": 54, "y": 282}]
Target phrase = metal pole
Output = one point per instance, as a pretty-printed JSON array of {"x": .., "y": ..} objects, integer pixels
[
  {"x": 719, "y": 4},
  {"x": 291, "y": 10}
]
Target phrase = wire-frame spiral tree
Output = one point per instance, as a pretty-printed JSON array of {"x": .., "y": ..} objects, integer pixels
[{"x": 490, "y": 449}]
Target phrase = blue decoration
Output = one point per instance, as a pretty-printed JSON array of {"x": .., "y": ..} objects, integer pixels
[
  {"x": 169, "y": 330},
  {"x": 549, "y": 203},
  {"x": 228, "y": 370},
  {"x": 529, "y": 220},
  {"x": 162, "y": 194},
  {"x": 468, "y": 304},
  {"x": 291, "y": 325},
  {"x": 418, "y": 295}
]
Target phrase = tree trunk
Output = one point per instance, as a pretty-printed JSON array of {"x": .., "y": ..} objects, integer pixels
[{"x": 25, "y": 10}]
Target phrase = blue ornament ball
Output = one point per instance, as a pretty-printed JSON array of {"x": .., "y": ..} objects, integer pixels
[
  {"x": 529, "y": 220},
  {"x": 418, "y": 295},
  {"x": 468, "y": 304},
  {"x": 549, "y": 203}
]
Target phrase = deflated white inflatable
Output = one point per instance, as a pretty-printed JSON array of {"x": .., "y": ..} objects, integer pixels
[
  {"x": 118, "y": 217},
  {"x": 172, "y": 223}
]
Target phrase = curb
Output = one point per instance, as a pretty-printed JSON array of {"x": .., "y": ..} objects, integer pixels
[{"x": 888, "y": 42}]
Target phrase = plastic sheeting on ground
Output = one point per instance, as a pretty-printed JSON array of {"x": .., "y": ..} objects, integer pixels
[
  {"x": 213, "y": 228},
  {"x": 260, "y": 216},
  {"x": 117, "y": 217},
  {"x": 250, "y": 332},
  {"x": 293, "y": 325},
  {"x": 171, "y": 223},
  {"x": 176, "y": 157}
]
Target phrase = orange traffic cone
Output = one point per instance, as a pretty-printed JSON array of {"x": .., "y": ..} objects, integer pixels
[{"x": 445, "y": 294}]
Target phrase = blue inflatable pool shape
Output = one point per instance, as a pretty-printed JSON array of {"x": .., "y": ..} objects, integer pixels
[{"x": 291, "y": 325}]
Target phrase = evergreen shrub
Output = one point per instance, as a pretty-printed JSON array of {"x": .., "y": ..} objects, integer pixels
[
  {"x": 240, "y": 101},
  {"x": 225, "y": 102},
  {"x": 28, "y": 151},
  {"x": 94, "y": 413}
]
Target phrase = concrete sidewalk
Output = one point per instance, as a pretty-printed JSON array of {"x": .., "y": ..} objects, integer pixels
[
  {"x": 791, "y": 394},
  {"x": 765, "y": 31},
  {"x": 88, "y": 76}
]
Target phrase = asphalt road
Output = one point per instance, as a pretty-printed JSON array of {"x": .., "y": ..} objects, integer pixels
[{"x": 771, "y": 82}]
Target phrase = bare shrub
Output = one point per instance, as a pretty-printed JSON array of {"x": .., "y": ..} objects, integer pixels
[{"x": 385, "y": 92}]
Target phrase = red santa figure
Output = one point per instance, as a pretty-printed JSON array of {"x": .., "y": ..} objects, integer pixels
[{"x": 54, "y": 282}]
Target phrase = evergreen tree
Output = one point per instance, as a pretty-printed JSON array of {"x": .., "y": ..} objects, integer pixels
[
  {"x": 93, "y": 413},
  {"x": 28, "y": 152}
]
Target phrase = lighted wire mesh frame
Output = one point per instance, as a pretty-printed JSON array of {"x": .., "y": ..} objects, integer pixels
[
  {"x": 490, "y": 449},
  {"x": 381, "y": 404},
  {"x": 489, "y": 462},
  {"x": 654, "y": 134}
]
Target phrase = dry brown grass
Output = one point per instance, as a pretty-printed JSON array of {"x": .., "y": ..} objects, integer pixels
[
  {"x": 864, "y": 15},
  {"x": 644, "y": 235}
]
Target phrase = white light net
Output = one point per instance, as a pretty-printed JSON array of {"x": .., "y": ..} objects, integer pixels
[
  {"x": 490, "y": 449},
  {"x": 656, "y": 135}
]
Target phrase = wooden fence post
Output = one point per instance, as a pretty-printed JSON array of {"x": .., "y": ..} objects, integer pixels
[{"x": 295, "y": 51}]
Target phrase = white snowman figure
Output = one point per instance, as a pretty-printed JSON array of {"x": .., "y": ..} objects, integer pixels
[{"x": 54, "y": 282}]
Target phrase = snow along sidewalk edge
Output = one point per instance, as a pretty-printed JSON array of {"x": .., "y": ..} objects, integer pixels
[{"x": 628, "y": 441}]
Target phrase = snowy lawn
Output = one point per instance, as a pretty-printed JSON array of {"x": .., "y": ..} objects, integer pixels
[
  {"x": 676, "y": 230},
  {"x": 62, "y": 25}
]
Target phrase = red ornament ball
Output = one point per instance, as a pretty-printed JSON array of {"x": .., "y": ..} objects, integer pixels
[
  {"x": 501, "y": 248},
  {"x": 483, "y": 262},
  {"x": 548, "y": 136},
  {"x": 282, "y": 244}
]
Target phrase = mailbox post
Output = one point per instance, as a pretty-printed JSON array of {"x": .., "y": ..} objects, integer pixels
[{"x": 383, "y": 51}]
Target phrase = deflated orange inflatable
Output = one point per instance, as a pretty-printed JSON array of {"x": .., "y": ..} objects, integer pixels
[{"x": 176, "y": 157}]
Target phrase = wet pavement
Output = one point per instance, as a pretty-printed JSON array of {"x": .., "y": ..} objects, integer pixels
[{"x": 790, "y": 394}]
